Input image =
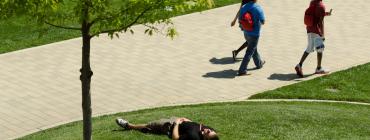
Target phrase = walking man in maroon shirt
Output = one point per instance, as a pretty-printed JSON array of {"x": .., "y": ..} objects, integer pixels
[{"x": 316, "y": 36}]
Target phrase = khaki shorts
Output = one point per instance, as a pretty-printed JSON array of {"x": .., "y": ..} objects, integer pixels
[
  {"x": 161, "y": 126},
  {"x": 315, "y": 42}
]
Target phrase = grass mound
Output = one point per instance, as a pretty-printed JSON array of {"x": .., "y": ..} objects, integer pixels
[
  {"x": 347, "y": 85},
  {"x": 241, "y": 120}
]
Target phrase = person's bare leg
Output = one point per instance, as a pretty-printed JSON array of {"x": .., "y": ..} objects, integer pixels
[
  {"x": 244, "y": 45},
  {"x": 319, "y": 59},
  {"x": 137, "y": 127},
  {"x": 235, "y": 52},
  {"x": 304, "y": 56}
]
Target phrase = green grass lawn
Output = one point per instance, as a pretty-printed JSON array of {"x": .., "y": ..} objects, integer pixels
[
  {"x": 348, "y": 85},
  {"x": 242, "y": 120},
  {"x": 20, "y": 33}
]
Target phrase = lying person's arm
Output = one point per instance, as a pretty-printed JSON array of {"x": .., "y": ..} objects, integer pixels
[{"x": 175, "y": 131}]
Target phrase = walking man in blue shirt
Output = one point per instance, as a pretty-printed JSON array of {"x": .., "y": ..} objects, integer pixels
[{"x": 252, "y": 36}]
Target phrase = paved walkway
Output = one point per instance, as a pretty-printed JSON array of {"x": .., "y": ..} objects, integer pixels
[{"x": 40, "y": 87}]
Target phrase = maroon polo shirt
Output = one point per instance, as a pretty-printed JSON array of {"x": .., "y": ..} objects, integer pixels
[{"x": 318, "y": 18}]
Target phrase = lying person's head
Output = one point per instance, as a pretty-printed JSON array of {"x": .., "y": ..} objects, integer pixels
[{"x": 209, "y": 133}]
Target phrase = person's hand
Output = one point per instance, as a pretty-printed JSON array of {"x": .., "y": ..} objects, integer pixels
[
  {"x": 186, "y": 120},
  {"x": 179, "y": 120},
  {"x": 329, "y": 13},
  {"x": 233, "y": 23}
]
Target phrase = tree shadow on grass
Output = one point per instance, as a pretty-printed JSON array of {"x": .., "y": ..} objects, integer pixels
[
  {"x": 287, "y": 77},
  {"x": 223, "y": 61}
]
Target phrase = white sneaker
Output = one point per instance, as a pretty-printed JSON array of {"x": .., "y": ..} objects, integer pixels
[
  {"x": 121, "y": 122},
  {"x": 321, "y": 71}
]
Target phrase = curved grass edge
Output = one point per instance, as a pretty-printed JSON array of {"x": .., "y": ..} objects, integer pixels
[{"x": 346, "y": 85}]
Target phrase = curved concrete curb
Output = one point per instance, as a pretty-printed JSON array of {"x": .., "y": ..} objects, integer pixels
[{"x": 306, "y": 100}]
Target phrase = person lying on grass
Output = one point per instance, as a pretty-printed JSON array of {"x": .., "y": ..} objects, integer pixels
[{"x": 175, "y": 128}]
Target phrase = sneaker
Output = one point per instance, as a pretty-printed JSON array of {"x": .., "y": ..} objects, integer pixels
[
  {"x": 298, "y": 69},
  {"x": 321, "y": 71},
  {"x": 262, "y": 63},
  {"x": 243, "y": 74},
  {"x": 121, "y": 122},
  {"x": 234, "y": 55}
]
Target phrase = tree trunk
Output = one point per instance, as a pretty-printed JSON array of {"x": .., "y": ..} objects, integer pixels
[
  {"x": 85, "y": 78},
  {"x": 86, "y": 72}
]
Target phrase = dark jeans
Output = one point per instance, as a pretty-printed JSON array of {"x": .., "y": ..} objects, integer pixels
[{"x": 251, "y": 52}]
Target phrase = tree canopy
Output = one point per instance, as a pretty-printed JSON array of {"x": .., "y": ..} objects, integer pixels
[{"x": 103, "y": 16}]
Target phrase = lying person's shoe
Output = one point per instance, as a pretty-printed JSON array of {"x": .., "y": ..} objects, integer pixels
[{"x": 121, "y": 122}]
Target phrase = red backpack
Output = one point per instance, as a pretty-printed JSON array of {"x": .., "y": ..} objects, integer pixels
[
  {"x": 309, "y": 15},
  {"x": 246, "y": 22}
]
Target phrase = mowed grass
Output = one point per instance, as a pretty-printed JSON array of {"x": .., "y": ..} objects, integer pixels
[
  {"x": 349, "y": 85},
  {"x": 20, "y": 32},
  {"x": 238, "y": 121}
]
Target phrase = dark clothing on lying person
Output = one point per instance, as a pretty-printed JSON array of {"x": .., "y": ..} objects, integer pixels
[
  {"x": 190, "y": 131},
  {"x": 187, "y": 130}
]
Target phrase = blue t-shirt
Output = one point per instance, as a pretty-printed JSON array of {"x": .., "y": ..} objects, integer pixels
[{"x": 257, "y": 16}]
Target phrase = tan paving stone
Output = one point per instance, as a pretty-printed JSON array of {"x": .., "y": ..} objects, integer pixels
[
  {"x": 7, "y": 134},
  {"x": 138, "y": 71}
]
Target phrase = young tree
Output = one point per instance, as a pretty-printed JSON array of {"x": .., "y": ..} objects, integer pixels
[{"x": 94, "y": 17}]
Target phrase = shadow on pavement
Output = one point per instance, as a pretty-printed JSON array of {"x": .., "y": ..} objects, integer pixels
[
  {"x": 230, "y": 74},
  {"x": 287, "y": 77},
  {"x": 223, "y": 61}
]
